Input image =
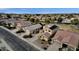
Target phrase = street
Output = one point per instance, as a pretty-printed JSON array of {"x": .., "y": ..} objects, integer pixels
[{"x": 16, "y": 43}]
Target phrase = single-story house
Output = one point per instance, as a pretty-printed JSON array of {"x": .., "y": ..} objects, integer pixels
[
  {"x": 9, "y": 21},
  {"x": 33, "y": 29},
  {"x": 12, "y": 22},
  {"x": 21, "y": 24},
  {"x": 2, "y": 22},
  {"x": 66, "y": 21},
  {"x": 68, "y": 38}
]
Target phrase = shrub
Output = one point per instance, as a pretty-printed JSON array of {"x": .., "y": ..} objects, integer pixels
[
  {"x": 20, "y": 31},
  {"x": 27, "y": 36}
]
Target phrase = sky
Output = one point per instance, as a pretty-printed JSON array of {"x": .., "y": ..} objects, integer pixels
[{"x": 39, "y": 10}]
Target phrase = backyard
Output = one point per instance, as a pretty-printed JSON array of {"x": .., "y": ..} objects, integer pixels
[{"x": 68, "y": 27}]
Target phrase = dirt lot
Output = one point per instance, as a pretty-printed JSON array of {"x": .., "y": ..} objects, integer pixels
[{"x": 68, "y": 27}]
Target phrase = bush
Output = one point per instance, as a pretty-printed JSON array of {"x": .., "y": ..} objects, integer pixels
[
  {"x": 75, "y": 21},
  {"x": 60, "y": 49},
  {"x": 20, "y": 31},
  {"x": 27, "y": 36},
  {"x": 77, "y": 49},
  {"x": 45, "y": 48}
]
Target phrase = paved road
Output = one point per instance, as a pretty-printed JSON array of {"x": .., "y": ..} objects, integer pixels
[
  {"x": 5, "y": 45},
  {"x": 16, "y": 43}
]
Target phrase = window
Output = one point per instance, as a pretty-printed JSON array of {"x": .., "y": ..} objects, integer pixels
[
  {"x": 64, "y": 46},
  {"x": 77, "y": 49},
  {"x": 60, "y": 49}
]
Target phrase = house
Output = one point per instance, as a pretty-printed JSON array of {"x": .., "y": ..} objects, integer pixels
[
  {"x": 2, "y": 22},
  {"x": 45, "y": 36},
  {"x": 8, "y": 21},
  {"x": 33, "y": 29},
  {"x": 21, "y": 24},
  {"x": 50, "y": 28},
  {"x": 66, "y": 21},
  {"x": 67, "y": 38},
  {"x": 48, "y": 31},
  {"x": 12, "y": 22}
]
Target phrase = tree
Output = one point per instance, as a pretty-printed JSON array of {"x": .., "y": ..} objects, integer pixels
[
  {"x": 52, "y": 20},
  {"x": 9, "y": 24},
  {"x": 75, "y": 21},
  {"x": 32, "y": 20},
  {"x": 47, "y": 21},
  {"x": 8, "y": 16},
  {"x": 60, "y": 20},
  {"x": 36, "y": 21},
  {"x": 77, "y": 49}
]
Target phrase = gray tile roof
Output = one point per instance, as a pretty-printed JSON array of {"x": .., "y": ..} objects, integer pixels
[
  {"x": 24, "y": 23},
  {"x": 34, "y": 27}
]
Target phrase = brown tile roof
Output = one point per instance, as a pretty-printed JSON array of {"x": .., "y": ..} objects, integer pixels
[{"x": 67, "y": 37}]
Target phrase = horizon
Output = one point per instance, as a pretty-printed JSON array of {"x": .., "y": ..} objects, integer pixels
[{"x": 39, "y": 10}]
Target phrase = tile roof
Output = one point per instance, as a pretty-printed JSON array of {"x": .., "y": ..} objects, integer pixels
[
  {"x": 34, "y": 27},
  {"x": 8, "y": 20},
  {"x": 24, "y": 23},
  {"x": 47, "y": 35},
  {"x": 67, "y": 37}
]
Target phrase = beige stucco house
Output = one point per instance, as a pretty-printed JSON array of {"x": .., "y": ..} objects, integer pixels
[{"x": 47, "y": 32}]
